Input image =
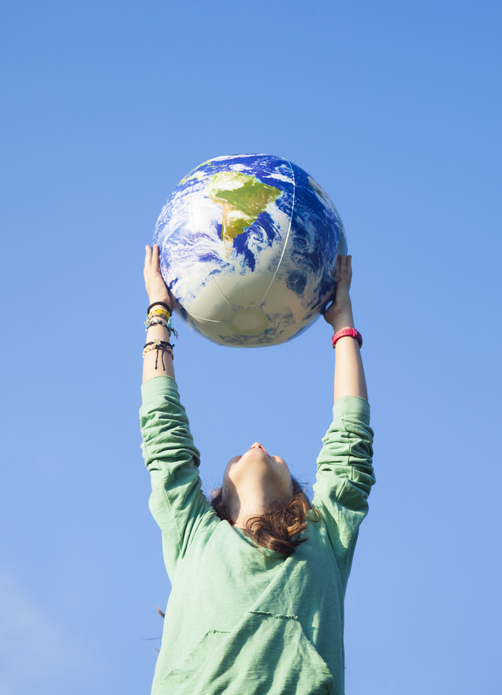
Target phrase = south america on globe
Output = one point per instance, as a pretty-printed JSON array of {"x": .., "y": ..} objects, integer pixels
[{"x": 248, "y": 245}]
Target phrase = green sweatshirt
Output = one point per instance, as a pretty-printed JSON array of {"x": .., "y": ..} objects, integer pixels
[{"x": 237, "y": 622}]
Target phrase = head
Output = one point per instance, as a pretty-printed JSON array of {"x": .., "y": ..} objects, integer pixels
[{"x": 259, "y": 487}]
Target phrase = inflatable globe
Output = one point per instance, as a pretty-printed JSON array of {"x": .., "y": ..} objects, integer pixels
[{"x": 248, "y": 244}]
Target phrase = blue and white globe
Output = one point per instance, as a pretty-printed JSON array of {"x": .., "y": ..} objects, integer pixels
[{"x": 248, "y": 245}]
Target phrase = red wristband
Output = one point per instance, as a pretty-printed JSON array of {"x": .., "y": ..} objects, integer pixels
[{"x": 347, "y": 331}]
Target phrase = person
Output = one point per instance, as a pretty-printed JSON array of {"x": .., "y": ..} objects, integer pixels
[{"x": 258, "y": 573}]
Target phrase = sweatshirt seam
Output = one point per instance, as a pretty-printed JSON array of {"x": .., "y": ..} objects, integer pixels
[
  {"x": 173, "y": 516},
  {"x": 164, "y": 493},
  {"x": 335, "y": 551}
]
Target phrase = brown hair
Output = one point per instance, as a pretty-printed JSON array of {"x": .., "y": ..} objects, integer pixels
[{"x": 279, "y": 524}]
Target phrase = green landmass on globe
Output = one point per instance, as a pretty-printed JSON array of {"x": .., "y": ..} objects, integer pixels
[{"x": 242, "y": 199}]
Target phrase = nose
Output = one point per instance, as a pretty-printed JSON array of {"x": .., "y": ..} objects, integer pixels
[{"x": 259, "y": 445}]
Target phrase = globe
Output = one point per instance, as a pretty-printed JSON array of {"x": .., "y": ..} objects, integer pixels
[{"x": 248, "y": 245}]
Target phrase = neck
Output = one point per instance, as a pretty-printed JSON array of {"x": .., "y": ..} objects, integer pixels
[
  {"x": 254, "y": 505},
  {"x": 253, "y": 501}
]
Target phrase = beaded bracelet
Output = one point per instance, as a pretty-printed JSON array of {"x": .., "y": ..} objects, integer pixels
[
  {"x": 156, "y": 322},
  {"x": 161, "y": 345},
  {"x": 157, "y": 344},
  {"x": 159, "y": 322}
]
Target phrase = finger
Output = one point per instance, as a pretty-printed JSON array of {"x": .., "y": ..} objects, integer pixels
[
  {"x": 349, "y": 270},
  {"x": 148, "y": 256},
  {"x": 336, "y": 269},
  {"x": 343, "y": 267},
  {"x": 156, "y": 257}
]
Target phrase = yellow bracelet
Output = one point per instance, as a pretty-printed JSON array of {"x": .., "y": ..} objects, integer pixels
[{"x": 159, "y": 312}]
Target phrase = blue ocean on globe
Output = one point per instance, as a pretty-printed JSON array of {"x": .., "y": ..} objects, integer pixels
[{"x": 248, "y": 245}]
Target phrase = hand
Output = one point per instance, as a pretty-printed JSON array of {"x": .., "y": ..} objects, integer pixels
[
  {"x": 156, "y": 288},
  {"x": 339, "y": 313}
]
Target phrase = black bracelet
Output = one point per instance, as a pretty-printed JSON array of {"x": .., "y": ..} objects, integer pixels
[
  {"x": 160, "y": 343},
  {"x": 166, "y": 306}
]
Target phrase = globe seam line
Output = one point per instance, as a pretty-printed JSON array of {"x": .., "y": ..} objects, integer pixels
[
  {"x": 221, "y": 292},
  {"x": 201, "y": 318},
  {"x": 195, "y": 234},
  {"x": 287, "y": 235}
]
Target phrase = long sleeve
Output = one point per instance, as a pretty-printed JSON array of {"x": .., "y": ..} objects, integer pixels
[
  {"x": 177, "y": 501},
  {"x": 345, "y": 474}
]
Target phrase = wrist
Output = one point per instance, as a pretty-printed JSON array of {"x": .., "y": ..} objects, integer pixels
[
  {"x": 342, "y": 321},
  {"x": 346, "y": 333},
  {"x": 163, "y": 300}
]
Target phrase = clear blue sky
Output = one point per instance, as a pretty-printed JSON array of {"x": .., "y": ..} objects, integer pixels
[{"x": 395, "y": 108}]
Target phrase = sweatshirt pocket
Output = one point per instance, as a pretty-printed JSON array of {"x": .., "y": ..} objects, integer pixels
[
  {"x": 197, "y": 657},
  {"x": 265, "y": 654}
]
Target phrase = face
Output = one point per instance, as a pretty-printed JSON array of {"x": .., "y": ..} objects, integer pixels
[{"x": 256, "y": 475}]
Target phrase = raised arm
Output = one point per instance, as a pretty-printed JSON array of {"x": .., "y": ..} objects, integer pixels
[
  {"x": 349, "y": 372},
  {"x": 157, "y": 292},
  {"x": 177, "y": 501},
  {"x": 344, "y": 466}
]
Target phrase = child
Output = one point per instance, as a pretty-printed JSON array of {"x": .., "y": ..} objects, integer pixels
[{"x": 259, "y": 574}]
